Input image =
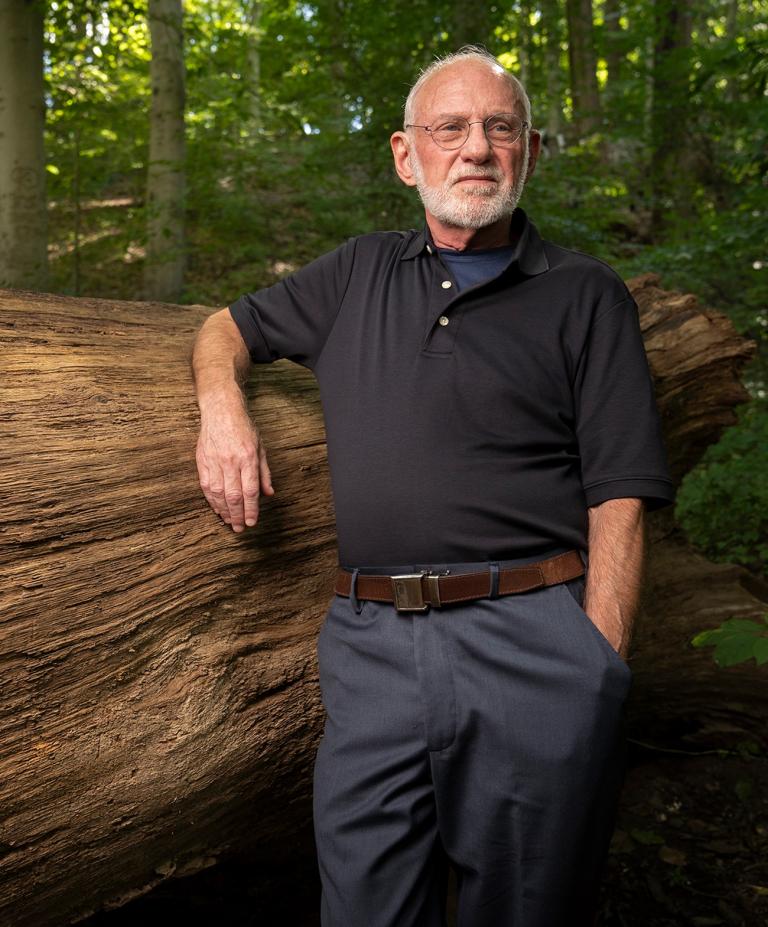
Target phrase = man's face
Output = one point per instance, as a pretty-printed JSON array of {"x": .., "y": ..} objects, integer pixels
[{"x": 477, "y": 184}]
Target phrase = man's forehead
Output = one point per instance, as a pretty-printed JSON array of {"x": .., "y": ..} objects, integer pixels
[{"x": 465, "y": 86}]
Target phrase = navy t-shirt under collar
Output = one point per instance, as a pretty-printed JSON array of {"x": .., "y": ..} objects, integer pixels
[{"x": 472, "y": 267}]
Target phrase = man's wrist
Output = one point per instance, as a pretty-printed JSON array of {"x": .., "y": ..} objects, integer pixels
[{"x": 222, "y": 399}]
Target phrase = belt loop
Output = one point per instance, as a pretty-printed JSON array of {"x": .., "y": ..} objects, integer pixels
[
  {"x": 494, "y": 580},
  {"x": 353, "y": 592}
]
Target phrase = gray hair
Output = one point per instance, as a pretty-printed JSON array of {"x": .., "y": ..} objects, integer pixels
[{"x": 466, "y": 53}]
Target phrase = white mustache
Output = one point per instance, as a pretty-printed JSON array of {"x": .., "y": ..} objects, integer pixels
[{"x": 480, "y": 175}]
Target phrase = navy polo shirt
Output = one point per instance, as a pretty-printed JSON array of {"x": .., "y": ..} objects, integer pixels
[{"x": 472, "y": 425}]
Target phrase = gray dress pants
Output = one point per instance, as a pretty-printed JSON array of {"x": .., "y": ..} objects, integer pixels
[{"x": 488, "y": 735}]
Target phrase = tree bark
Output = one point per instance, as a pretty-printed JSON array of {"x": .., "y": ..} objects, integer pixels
[
  {"x": 614, "y": 44},
  {"x": 253, "y": 18},
  {"x": 679, "y": 695},
  {"x": 732, "y": 31},
  {"x": 23, "y": 207},
  {"x": 671, "y": 164},
  {"x": 159, "y": 698},
  {"x": 165, "y": 260},
  {"x": 524, "y": 44},
  {"x": 554, "y": 140},
  {"x": 160, "y": 705},
  {"x": 583, "y": 67},
  {"x": 471, "y": 23},
  {"x": 695, "y": 355}
]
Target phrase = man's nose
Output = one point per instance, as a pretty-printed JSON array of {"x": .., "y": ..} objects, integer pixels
[{"x": 477, "y": 147}]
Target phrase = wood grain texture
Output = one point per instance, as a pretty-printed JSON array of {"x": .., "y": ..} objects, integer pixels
[
  {"x": 680, "y": 697},
  {"x": 695, "y": 355},
  {"x": 159, "y": 698},
  {"x": 160, "y": 704}
]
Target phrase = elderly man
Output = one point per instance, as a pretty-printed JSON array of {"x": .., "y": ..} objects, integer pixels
[{"x": 493, "y": 442}]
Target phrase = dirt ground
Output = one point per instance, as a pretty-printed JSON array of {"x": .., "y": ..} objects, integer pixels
[
  {"x": 691, "y": 843},
  {"x": 690, "y": 849}
]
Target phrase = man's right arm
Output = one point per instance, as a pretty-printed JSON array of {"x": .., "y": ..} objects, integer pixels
[{"x": 231, "y": 459}]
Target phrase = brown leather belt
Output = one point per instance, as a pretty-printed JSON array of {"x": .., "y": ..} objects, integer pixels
[{"x": 416, "y": 592}]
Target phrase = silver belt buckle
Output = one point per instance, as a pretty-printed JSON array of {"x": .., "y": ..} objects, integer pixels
[{"x": 409, "y": 594}]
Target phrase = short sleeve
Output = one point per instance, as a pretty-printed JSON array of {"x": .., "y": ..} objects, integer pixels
[
  {"x": 617, "y": 421},
  {"x": 294, "y": 317}
]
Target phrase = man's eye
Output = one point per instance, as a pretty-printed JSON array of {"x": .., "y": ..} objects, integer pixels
[{"x": 448, "y": 127}]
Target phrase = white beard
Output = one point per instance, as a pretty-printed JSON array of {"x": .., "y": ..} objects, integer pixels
[{"x": 470, "y": 206}]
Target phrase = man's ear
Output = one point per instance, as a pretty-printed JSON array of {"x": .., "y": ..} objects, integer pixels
[
  {"x": 401, "y": 151},
  {"x": 534, "y": 149}
]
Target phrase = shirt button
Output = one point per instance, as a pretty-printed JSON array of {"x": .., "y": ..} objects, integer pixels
[
  {"x": 429, "y": 249},
  {"x": 447, "y": 284},
  {"x": 443, "y": 320}
]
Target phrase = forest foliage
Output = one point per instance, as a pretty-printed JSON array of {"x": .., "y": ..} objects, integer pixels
[{"x": 655, "y": 157}]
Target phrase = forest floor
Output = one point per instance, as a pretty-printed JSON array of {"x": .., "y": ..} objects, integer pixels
[{"x": 690, "y": 849}]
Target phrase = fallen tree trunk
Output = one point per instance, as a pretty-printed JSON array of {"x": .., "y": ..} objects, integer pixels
[
  {"x": 695, "y": 355},
  {"x": 160, "y": 704},
  {"x": 160, "y": 697},
  {"x": 679, "y": 695}
]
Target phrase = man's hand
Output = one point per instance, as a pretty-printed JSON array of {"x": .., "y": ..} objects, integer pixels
[
  {"x": 231, "y": 460},
  {"x": 233, "y": 469}
]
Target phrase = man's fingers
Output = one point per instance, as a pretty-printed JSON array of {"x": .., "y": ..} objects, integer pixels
[
  {"x": 232, "y": 477},
  {"x": 211, "y": 482},
  {"x": 249, "y": 476},
  {"x": 233, "y": 496},
  {"x": 250, "y": 496},
  {"x": 265, "y": 475}
]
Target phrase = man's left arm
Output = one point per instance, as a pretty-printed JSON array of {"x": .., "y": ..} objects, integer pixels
[{"x": 616, "y": 541}]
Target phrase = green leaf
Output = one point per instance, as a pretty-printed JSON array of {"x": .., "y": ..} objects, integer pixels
[
  {"x": 744, "y": 624},
  {"x": 760, "y": 651},
  {"x": 734, "y": 649},
  {"x": 704, "y": 638}
]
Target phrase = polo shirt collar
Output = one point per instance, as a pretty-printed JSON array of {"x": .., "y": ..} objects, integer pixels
[{"x": 529, "y": 252}]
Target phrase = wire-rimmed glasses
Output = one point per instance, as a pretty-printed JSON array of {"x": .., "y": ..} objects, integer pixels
[{"x": 501, "y": 129}]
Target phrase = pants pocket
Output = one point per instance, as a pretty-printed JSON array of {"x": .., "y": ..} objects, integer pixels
[{"x": 573, "y": 590}]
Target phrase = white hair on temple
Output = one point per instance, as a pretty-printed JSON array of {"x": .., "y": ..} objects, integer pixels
[{"x": 467, "y": 53}]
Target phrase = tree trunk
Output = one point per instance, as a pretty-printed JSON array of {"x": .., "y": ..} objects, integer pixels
[
  {"x": 678, "y": 691},
  {"x": 23, "y": 215},
  {"x": 670, "y": 152},
  {"x": 165, "y": 261},
  {"x": 253, "y": 12},
  {"x": 583, "y": 67},
  {"x": 159, "y": 698},
  {"x": 614, "y": 44},
  {"x": 554, "y": 140},
  {"x": 160, "y": 704},
  {"x": 471, "y": 23},
  {"x": 679, "y": 695},
  {"x": 524, "y": 44},
  {"x": 695, "y": 355},
  {"x": 732, "y": 32}
]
